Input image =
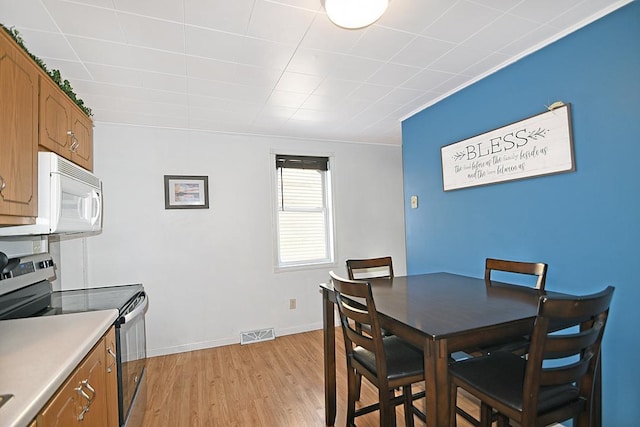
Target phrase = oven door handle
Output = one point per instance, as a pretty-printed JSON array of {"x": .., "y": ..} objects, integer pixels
[{"x": 139, "y": 309}]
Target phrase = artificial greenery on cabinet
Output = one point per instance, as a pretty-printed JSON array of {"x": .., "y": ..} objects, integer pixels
[{"x": 53, "y": 74}]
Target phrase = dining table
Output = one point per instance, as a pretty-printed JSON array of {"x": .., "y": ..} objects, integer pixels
[{"x": 440, "y": 313}]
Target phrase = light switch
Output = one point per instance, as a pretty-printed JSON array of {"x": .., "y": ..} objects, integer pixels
[{"x": 414, "y": 202}]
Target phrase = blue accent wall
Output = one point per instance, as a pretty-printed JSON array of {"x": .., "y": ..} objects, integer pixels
[{"x": 584, "y": 224}]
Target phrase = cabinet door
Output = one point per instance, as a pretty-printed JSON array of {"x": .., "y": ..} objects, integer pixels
[
  {"x": 18, "y": 135},
  {"x": 55, "y": 118},
  {"x": 82, "y": 139},
  {"x": 64, "y": 128},
  {"x": 93, "y": 380},
  {"x": 86, "y": 387},
  {"x": 112, "y": 378}
]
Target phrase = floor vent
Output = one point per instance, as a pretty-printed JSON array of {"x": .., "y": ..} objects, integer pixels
[{"x": 258, "y": 335}]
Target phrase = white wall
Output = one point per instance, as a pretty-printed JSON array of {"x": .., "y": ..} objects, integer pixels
[{"x": 209, "y": 272}]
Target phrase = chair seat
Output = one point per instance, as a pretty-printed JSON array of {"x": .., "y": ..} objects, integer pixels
[
  {"x": 486, "y": 374},
  {"x": 403, "y": 359}
]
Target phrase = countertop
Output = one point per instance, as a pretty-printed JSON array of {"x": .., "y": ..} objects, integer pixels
[{"x": 38, "y": 354}]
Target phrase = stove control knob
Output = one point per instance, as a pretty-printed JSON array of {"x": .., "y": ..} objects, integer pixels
[{"x": 46, "y": 263}]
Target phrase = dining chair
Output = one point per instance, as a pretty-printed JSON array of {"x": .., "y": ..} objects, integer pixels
[
  {"x": 387, "y": 362},
  {"x": 556, "y": 381},
  {"x": 517, "y": 345},
  {"x": 370, "y": 268},
  {"x": 539, "y": 270}
]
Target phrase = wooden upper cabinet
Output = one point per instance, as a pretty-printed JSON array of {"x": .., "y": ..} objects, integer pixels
[
  {"x": 18, "y": 134},
  {"x": 64, "y": 128}
]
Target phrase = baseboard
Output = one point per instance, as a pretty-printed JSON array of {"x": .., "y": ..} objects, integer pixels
[{"x": 163, "y": 351}]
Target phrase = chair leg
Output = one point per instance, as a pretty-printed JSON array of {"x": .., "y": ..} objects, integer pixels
[
  {"x": 453, "y": 404},
  {"x": 387, "y": 408},
  {"x": 351, "y": 396},
  {"x": 485, "y": 415},
  {"x": 358, "y": 385},
  {"x": 408, "y": 406},
  {"x": 503, "y": 421}
]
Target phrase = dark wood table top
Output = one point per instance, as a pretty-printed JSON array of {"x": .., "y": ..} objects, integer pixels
[{"x": 443, "y": 305}]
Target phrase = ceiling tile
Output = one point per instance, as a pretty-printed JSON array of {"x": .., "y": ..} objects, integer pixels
[
  {"x": 85, "y": 21},
  {"x": 164, "y": 81},
  {"x": 413, "y": 16},
  {"x": 426, "y": 80},
  {"x": 392, "y": 74},
  {"x": 401, "y": 96},
  {"x": 336, "y": 89},
  {"x": 155, "y": 60},
  {"x": 223, "y": 15},
  {"x": 273, "y": 21},
  {"x": 51, "y": 45},
  {"x": 538, "y": 37},
  {"x": 69, "y": 70},
  {"x": 584, "y": 12},
  {"x": 170, "y": 10},
  {"x": 312, "y": 61},
  {"x": 461, "y": 21},
  {"x": 458, "y": 59},
  {"x": 115, "y": 75},
  {"x": 323, "y": 35},
  {"x": 486, "y": 64},
  {"x": 354, "y": 68},
  {"x": 542, "y": 11},
  {"x": 223, "y": 90},
  {"x": 212, "y": 44},
  {"x": 299, "y": 83},
  {"x": 265, "y": 53},
  {"x": 12, "y": 13},
  {"x": 422, "y": 51},
  {"x": 101, "y": 52},
  {"x": 380, "y": 43},
  {"x": 280, "y": 98},
  {"x": 210, "y": 69},
  {"x": 370, "y": 92},
  {"x": 501, "y": 32},
  {"x": 153, "y": 33}
]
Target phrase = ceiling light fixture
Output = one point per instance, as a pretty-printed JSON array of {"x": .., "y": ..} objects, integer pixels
[{"x": 355, "y": 14}]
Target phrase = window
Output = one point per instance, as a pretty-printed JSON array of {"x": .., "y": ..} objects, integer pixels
[{"x": 304, "y": 218}]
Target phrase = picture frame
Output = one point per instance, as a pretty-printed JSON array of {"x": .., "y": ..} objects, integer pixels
[
  {"x": 536, "y": 146},
  {"x": 186, "y": 192}
]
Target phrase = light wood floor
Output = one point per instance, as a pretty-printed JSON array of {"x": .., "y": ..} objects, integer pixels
[{"x": 276, "y": 383}]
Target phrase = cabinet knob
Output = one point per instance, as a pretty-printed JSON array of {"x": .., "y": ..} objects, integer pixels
[{"x": 3, "y": 183}]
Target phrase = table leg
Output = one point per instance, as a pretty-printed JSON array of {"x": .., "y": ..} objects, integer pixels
[
  {"x": 436, "y": 368},
  {"x": 328, "y": 325}
]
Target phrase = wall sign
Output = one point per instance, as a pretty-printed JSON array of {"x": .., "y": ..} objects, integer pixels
[{"x": 538, "y": 145}]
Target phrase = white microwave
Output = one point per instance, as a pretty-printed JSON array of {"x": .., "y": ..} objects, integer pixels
[{"x": 69, "y": 199}]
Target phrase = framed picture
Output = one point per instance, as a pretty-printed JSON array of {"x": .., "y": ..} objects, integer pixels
[
  {"x": 535, "y": 146},
  {"x": 186, "y": 192}
]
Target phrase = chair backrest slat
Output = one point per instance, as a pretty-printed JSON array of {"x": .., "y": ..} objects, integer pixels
[
  {"x": 538, "y": 269},
  {"x": 370, "y": 268}
]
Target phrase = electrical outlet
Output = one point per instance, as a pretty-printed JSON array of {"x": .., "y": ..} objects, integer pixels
[
  {"x": 37, "y": 246},
  {"x": 292, "y": 304}
]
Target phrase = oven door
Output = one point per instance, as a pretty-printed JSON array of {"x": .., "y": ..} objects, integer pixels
[{"x": 132, "y": 355}]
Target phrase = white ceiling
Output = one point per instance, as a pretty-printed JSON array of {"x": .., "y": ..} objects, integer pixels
[{"x": 279, "y": 67}]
